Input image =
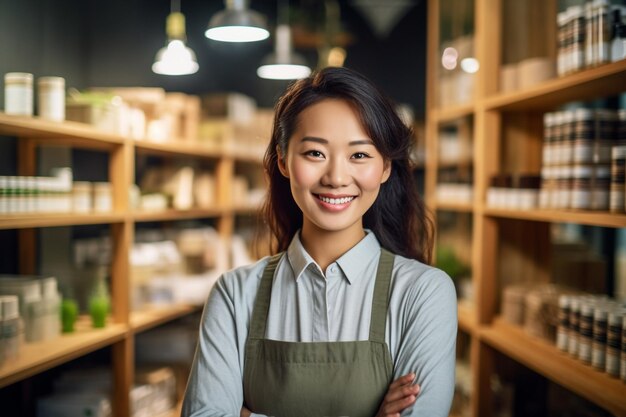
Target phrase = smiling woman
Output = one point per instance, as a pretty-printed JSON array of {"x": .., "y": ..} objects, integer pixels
[{"x": 347, "y": 318}]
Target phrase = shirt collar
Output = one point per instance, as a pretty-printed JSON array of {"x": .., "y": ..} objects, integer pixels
[{"x": 352, "y": 263}]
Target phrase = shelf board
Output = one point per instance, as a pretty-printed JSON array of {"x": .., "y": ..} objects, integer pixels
[
  {"x": 467, "y": 317},
  {"x": 58, "y": 133},
  {"x": 25, "y": 221},
  {"x": 450, "y": 114},
  {"x": 177, "y": 148},
  {"x": 605, "y": 80},
  {"x": 173, "y": 215},
  {"x": 545, "y": 359},
  {"x": 247, "y": 158},
  {"x": 247, "y": 209},
  {"x": 454, "y": 206},
  {"x": 156, "y": 315},
  {"x": 589, "y": 218},
  {"x": 37, "y": 357}
]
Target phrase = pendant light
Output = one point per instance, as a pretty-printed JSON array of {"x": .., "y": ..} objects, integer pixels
[
  {"x": 237, "y": 23},
  {"x": 176, "y": 58},
  {"x": 283, "y": 64}
]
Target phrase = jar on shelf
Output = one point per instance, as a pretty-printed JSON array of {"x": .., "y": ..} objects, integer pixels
[
  {"x": 51, "y": 103},
  {"x": 18, "y": 93},
  {"x": 82, "y": 196},
  {"x": 10, "y": 325},
  {"x": 581, "y": 187},
  {"x": 102, "y": 197}
]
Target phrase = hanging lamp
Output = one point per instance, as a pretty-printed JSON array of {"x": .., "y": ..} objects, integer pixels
[
  {"x": 283, "y": 63},
  {"x": 237, "y": 23},
  {"x": 175, "y": 58}
]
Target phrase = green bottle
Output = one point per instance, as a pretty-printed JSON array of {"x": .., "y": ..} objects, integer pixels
[
  {"x": 69, "y": 313},
  {"x": 99, "y": 302}
]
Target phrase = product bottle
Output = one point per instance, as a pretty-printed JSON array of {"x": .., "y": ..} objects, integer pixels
[
  {"x": 10, "y": 326},
  {"x": 618, "y": 44},
  {"x": 99, "y": 302},
  {"x": 69, "y": 312},
  {"x": 52, "y": 303}
]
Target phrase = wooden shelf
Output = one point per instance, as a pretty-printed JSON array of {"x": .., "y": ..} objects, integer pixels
[
  {"x": 467, "y": 317},
  {"x": 588, "y": 218},
  {"x": 454, "y": 206},
  {"x": 50, "y": 133},
  {"x": 178, "y": 148},
  {"x": 154, "y": 316},
  {"x": 447, "y": 115},
  {"x": 25, "y": 221},
  {"x": 246, "y": 209},
  {"x": 173, "y": 215},
  {"x": 38, "y": 357},
  {"x": 247, "y": 158},
  {"x": 545, "y": 359},
  {"x": 602, "y": 81}
]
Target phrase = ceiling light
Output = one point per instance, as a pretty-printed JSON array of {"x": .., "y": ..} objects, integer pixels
[
  {"x": 470, "y": 65},
  {"x": 237, "y": 23},
  {"x": 176, "y": 58},
  {"x": 283, "y": 64}
]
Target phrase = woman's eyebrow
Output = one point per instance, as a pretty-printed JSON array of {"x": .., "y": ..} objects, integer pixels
[{"x": 325, "y": 142}]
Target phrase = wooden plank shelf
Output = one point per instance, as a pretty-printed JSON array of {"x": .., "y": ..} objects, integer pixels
[
  {"x": 454, "y": 206},
  {"x": 450, "y": 114},
  {"x": 38, "y": 220},
  {"x": 153, "y": 316},
  {"x": 247, "y": 209},
  {"x": 467, "y": 317},
  {"x": 50, "y": 133},
  {"x": 174, "y": 215},
  {"x": 177, "y": 148},
  {"x": 589, "y": 218},
  {"x": 605, "y": 80},
  {"x": 37, "y": 357},
  {"x": 545, "y": 359}
]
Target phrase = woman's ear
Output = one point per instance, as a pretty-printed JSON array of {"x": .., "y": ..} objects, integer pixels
[
  {"x": 386, "y": 172},
  {"x": 282, "y": 166}
]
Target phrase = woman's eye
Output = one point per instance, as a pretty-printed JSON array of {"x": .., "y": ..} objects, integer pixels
[
  {"x": 314, "y": 154},
  {"x": 360, "y": 155}
]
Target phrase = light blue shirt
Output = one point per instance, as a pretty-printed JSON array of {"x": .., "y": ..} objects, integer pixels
[{"x": 309, "y": 305}]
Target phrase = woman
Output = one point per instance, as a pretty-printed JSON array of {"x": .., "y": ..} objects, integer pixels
[{"x": 348, "y": 319}]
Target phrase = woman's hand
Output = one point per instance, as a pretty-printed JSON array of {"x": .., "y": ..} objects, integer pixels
[
  {"x": 400, "y": 395},
  {"x": 245, "y": 412}
]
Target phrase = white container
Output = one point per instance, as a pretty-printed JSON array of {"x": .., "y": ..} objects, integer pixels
[
  {"x": 18, "y": 93},
  {"x": 9, "y": 328},
  {"x": 51, "y": 309},
  {"x": 82, "y": 197},
  {"x": 102, "y": 197},
  {"x": 51, "y": 103}
]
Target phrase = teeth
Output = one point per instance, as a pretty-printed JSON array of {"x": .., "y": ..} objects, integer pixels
[{"x": 342, "y": 200}]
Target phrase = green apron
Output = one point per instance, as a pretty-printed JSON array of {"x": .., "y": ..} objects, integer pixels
[{"x": 291, "y": 379}]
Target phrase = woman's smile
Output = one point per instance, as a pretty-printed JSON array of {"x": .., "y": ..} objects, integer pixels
[{"x": 334, "y": 203}]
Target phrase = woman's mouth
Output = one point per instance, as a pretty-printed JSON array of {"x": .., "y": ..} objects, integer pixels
[{"x": 334, "y": 203}]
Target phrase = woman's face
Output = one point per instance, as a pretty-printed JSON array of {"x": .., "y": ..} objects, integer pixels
[{"x": 334, "y": 169}]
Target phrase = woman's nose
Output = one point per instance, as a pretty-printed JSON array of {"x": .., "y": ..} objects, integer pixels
[{"x": 336, "y": 174}]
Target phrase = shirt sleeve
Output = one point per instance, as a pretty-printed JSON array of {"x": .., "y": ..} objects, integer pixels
[
  {"x": 215, "y": 386},
  {"x": 428, "y": 346}
]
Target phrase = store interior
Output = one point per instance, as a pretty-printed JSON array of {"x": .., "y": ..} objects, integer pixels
[{"x": 130, "y": 182}]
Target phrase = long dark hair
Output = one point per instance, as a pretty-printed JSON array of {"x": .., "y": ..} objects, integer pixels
[{"x": 398, "y": 217}]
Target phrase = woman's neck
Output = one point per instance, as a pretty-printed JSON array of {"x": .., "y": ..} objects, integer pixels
[{"x": 326, "y": 246}]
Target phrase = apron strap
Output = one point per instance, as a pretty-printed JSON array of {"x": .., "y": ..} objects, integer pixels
[
  {"x": 380, "y": 300},
  {"x": 262, "y": 301}
]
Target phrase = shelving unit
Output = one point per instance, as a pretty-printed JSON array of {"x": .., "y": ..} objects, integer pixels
[
  {"x": 119, "y": 334},
  {"x": 492, "y": 112}
]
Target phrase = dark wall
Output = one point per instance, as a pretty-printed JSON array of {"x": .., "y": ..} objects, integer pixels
[{"x": 113, "y": 43}]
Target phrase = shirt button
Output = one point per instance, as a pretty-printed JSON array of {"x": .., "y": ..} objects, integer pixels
[{"x": 333, "y": 269}]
